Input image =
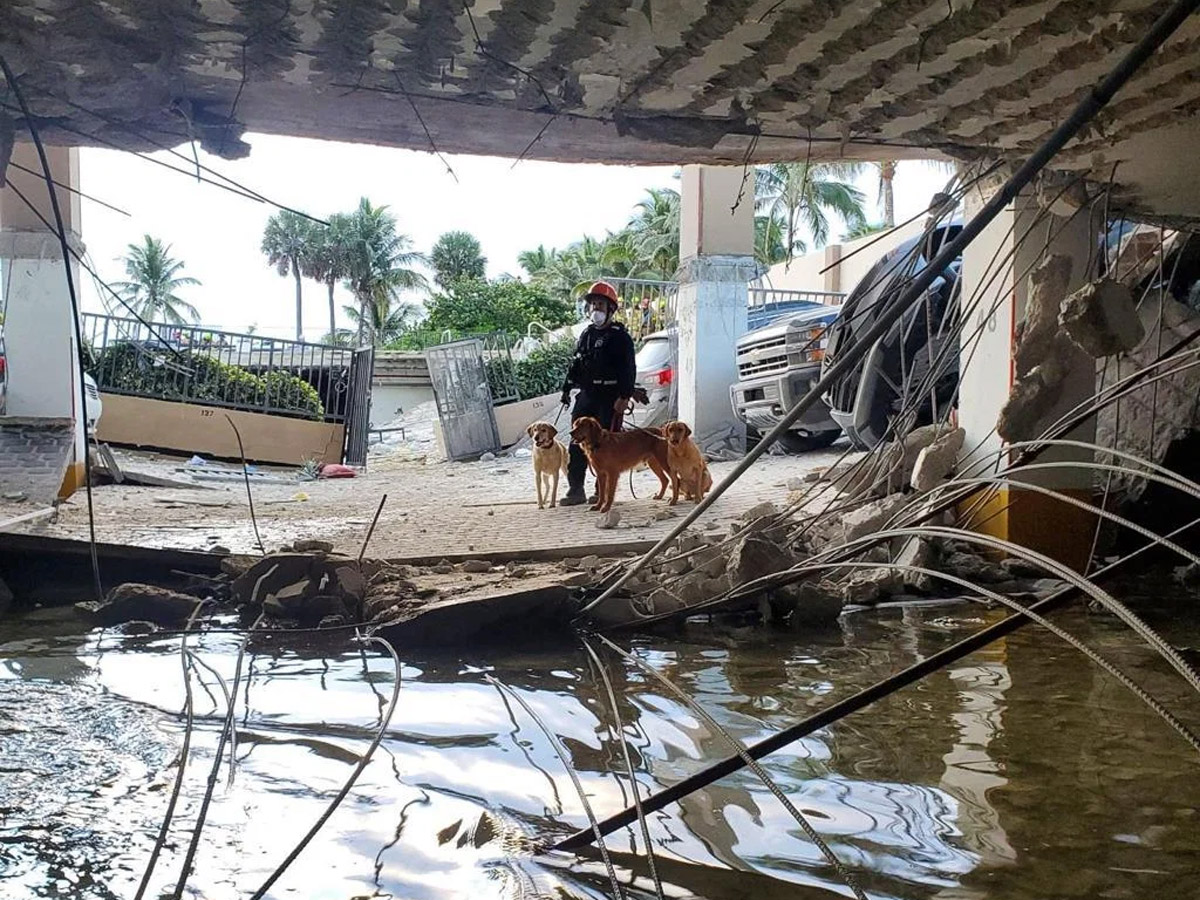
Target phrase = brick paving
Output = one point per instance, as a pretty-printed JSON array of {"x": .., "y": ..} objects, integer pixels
[
  {"x": 33, "y": 457},
  {"x": 432, "y": 509}
]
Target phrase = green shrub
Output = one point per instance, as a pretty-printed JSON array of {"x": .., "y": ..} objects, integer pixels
[
  {"x": 474, "y": 305},
  {"x": 200, "y": 378},
  {"x": 540, "y": 373},
  {"x": 543, "y": 370},
  {"x": 289, "y": 392}
]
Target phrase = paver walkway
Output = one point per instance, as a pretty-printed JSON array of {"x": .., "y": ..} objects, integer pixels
[{"x": 434, "y": 509}]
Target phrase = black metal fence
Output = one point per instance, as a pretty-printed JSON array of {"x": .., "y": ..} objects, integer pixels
[{"x": 218, "y": 368}]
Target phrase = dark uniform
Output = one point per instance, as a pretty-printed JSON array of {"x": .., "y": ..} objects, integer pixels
[{"x": 604, "y": 369}]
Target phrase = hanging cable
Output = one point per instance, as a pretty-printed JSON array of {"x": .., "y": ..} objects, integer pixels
[{"x": 1083, "y": 113}]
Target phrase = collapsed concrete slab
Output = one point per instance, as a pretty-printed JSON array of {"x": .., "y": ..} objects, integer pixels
[{"x": 142, "y": 603}]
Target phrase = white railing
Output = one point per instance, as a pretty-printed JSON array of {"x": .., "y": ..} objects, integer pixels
[{"x": 768, "y": 297}]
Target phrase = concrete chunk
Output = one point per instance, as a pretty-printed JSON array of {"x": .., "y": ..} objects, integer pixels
[
  {"x": 1037, "y": 334},
  {"x": 870, "y": 517},
  {"x": 937, "y": 460},
  {"x": 754, "y": 557},
  {"x": 1102, "y": 318}
]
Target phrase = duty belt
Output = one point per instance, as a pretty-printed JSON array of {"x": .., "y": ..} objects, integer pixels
[{"x": 610, "y": 383}]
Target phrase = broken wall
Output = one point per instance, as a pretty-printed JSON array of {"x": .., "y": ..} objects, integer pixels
[{"x": 1160, "y": 411}]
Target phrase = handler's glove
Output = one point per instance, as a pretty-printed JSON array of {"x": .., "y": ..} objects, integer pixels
[{"x": 640, "y": 395}]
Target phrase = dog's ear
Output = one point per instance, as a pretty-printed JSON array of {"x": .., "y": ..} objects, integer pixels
[
  {"x": 553, "y": 431},
  {"x": 687, "y": 432},
  {"x": 529, "y": 431}
]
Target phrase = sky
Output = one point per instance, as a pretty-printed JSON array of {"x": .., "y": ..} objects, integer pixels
[{"x": 218, "y": 234}]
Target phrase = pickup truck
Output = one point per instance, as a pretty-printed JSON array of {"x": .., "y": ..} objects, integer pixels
[{"x": 777, "y": 365}]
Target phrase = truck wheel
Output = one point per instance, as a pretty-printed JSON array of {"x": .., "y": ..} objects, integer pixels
[{"x": 804, "y": 443}]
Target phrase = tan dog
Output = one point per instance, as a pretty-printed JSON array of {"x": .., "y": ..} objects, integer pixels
[
  {"x": 549, "y": 459},
  {"x": 686, "y": 464},
  {"x": 614, "y": 452}
]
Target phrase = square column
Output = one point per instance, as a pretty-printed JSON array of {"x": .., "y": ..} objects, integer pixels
[
  {"x": 39, "y": 331},
  {"x": 716, "y": 251},
  {"x": 1009, "y": 265}
]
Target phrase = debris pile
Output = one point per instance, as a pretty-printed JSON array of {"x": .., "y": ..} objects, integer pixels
[
  {"x": 308, "y": 586},
  {"x": 411, "y": 437},
  {"x": 772, "y": 564}
]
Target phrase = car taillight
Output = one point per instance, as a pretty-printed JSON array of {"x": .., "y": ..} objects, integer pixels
[
  {"x": 665, "y": 376},
  {"x": 3, "y": 365}
]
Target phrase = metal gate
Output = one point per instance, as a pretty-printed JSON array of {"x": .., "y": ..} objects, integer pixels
[
  {"x": 358, "y": 407},
  {"x": 464, "y": 400}
]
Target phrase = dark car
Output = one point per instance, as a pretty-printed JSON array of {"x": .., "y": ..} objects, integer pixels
[{"x": 914, "y": 366}]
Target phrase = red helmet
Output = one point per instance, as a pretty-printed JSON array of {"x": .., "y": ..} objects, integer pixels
[{"x": 605, "y": 291}]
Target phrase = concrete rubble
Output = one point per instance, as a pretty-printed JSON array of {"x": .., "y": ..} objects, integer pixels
[
  {"x": 307, "y": 585},
  {"x": 1102, "y": 319},
  {"x": 1044, "y": 354},
  {"x": 1150, "y": 418},
  {"x": 937, "y": 461},
  {"x": 142, "y": 603}
]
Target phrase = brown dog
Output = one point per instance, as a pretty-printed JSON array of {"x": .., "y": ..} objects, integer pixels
[
  {"x": 613, "y": 452},
  {"x": 686, "y": 464},
  {"x": 549, "y": 459}
]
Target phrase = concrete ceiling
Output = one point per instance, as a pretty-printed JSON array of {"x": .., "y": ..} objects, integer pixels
[{"x": 650, "y": 81}]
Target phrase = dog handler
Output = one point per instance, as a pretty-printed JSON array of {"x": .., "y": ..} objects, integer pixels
[{"x": 604, "y": 370}]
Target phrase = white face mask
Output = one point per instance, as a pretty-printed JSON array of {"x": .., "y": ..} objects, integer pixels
[{"x": 599, "y": 317}]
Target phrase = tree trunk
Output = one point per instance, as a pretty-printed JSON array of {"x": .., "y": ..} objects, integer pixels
[
  {"x": 299, "y": 314},
  {"x": 332, "y": 315},
  {"x": 887, "y": 173}
]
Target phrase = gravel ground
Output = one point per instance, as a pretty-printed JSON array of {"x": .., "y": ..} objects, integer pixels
[{"x": 433, "y": 508}]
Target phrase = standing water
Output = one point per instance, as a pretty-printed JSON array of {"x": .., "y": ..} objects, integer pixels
[{"x": 1021, "y": 772}]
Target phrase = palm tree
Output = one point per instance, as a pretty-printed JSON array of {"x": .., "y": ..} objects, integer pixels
[
  {"x": 327, "y": 261},
  {"x": 802, "y": 196},
  {"x": 887, "y": 174},
  {"x": 534, "y": 262},
  {"x": 621, "y": 257},
  {"x": 386, "y": 322},
  {"x": 862, "y": 230},
  {"x": 768, "y": 241},
  {"x": 379, "y": 265},
  {"x": 456, "y": 255},
  {"x": 573, "y": 268},
  {"x": 285, "y": 242},
  {"x": 153, "y": 280},
  {"x": 655, "y": 227},
  {"x": 887, "y": 177}
]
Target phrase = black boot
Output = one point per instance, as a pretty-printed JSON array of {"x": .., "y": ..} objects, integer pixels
[{"x": 573, "y": 498}]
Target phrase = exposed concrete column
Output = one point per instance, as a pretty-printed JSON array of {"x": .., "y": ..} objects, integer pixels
[
  {"x": 1005, "y": 268},
  {"x": 833, "y": 271},
  {"x": 39, "y": 333},
  {"x": 716, "y": 253}
]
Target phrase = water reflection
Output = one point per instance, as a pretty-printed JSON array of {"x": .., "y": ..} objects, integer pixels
[{"x": 968, "y": 785}]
